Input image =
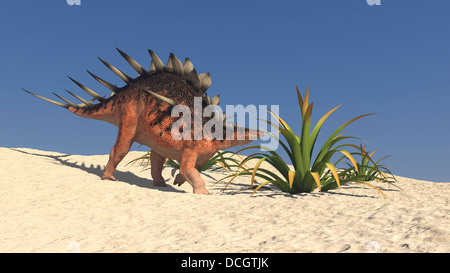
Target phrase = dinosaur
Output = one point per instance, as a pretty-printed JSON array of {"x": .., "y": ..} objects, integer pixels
[{"x": 141, "y": 110}]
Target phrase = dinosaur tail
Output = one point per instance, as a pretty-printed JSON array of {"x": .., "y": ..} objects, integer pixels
[
  {"x": 86, "y": 109},
  {"x": 105, "y": 106}
]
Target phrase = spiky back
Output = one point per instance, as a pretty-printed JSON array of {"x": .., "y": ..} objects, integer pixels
[{"x": 174, "y": 83}]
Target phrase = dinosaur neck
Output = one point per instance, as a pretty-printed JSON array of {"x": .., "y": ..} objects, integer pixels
[{"x": 246, "y": 136}]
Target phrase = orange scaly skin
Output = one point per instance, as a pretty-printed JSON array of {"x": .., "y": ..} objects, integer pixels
[
  {"x": 147, "y": 120},
  {"x": 142, "y": 112}
]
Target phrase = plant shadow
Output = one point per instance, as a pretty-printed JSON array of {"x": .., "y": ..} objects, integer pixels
[
  {"x": 126, "y": 177},
  {"x": 271, "y": 191}
]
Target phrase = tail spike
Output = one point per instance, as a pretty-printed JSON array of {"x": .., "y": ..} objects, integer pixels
[
  {"x": 87, "y": 103},
  {"x": 49, "y": 100},
  {"x": 67, "y": 101},
  {"x": 88, "y": 90}
]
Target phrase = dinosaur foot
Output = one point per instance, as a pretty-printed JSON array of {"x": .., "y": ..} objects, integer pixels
[
  {"x": 201, "y": 191},
  {"x": 179, "y": 180},
  {"x": 159, "y": 183},
  {"x": 109, "y": 177}
]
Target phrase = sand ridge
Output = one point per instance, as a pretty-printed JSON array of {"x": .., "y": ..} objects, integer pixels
[{"x": 54, "y": 202}]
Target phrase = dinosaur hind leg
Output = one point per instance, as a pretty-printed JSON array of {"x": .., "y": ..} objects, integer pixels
[
  {"x": 125, "y": 139},
  {"x": 179, "y": 179},
  {"x": 190, "y": 173},
  {"x": 157, "y": 162}
]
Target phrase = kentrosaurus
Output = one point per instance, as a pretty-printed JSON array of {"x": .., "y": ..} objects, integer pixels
[{"x": 142, "y": 111}]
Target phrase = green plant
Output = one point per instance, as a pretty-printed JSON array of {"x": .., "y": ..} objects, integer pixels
[
  {"x": 368, "y": 167},
  {"x": 307, "y": 173}
]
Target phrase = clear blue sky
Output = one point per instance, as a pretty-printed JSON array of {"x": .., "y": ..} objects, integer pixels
[{"x": 392, "y": 59}]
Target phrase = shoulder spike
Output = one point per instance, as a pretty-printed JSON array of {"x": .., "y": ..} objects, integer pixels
[
  {"x": 169, "y": 66},
  {"x": 51, "y": 101},
  {"x": 105, "y": 83},
  {"x": 167, "y": 100},
  {"x": 187, "y": 68},
  {"x": 159, "y": 66},
  {"x": 205, "y": 79},
  {"x": 123, "y": 76},
  {"x": 177, "y": 65},
  {"x": 195, "y": 80},
  {"x": 207, "y": 99},
  {"x": 152, "y": 68},
  {"x": 87, "y": 90},
  {"x": 215, "y": 100},
  {"x": 139, "y": 69},
  {"x": 88, "y": 103}
]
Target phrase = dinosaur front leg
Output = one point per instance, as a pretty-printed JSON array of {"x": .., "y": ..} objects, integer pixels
[
  {"x": 125, "y": 139},
  {"x": 157, "y": 163},
  {"x": 190, "y": 173}
]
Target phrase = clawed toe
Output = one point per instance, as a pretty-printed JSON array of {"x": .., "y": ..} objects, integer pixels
[
  {"x": 107, "y": 177},
  {"x": 179, "y": 180}
]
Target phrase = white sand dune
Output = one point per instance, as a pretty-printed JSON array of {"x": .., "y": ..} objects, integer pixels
[{"x": 53, "y": 202}]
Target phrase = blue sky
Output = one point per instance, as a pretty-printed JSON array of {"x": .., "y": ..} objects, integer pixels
[{"x": 393, "y": 59}]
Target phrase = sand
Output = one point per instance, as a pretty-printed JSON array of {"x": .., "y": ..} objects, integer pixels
[{"x": 53, "y": 202}]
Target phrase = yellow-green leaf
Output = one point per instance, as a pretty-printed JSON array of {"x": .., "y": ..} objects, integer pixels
[
  {"x": 223, "y": 165},
  {"x": 322, "y": 120},
  {"x": 280, "y": 120},
  {"x": 255, "y": 169},
  {"x": 265, "y": 183},
  {"x": 316, "y": 177},
  {"x": 300, "y": 100},
  {"x": 351, "y": 158},
  {"x": 308, "y": 113},
  {"x": 291, "y": 178},
  {"x": 335, "y": 174},
  {"x": 306, "y": 101},
  {"x": 370, "y": 185}
]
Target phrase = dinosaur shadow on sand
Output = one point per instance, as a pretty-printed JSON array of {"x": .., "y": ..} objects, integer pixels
[{"x": 126, "y": 177}]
